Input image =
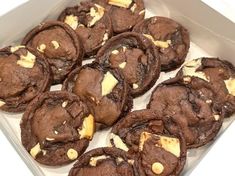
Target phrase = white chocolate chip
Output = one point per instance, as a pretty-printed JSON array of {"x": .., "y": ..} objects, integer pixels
[
  {"x": 161, "y": 44},
  {"x": 97, "y": 15},
  {"x": 118, "y": 143},
  {"x": 72, "y": 154},
  {"x": 141, "y": 12},
  {"x": 187, "y": 79},
  {"x": 27, "y": 61},
  {"x": 15, "y": 48},
  {"x": 35, "y": 150},
  {"x": 72, "y": 21},
  {"x": 81, "y": 25},
  {"x": 119, "y": 160},
  {"x": 2, "y": 103},
  {"x": 135, "y": 86},
  {"x": 105, "y": 38},
  {"x": 108, "y": 83},
  {"x": 93, "y": 160},
  {"x": 56, "y": 132},
  {"x": 133, "y": 7},
  {"x": 55, "y": 44},
  {"x": 131, "y": 162},
  {"x": 44, "y": 152},
  {"x": 88, "y": 128},
  {"x": 64, "y": 104},
  {"x": 124, "y": 48},
  {"x": 157, "y": 168},
  {"x": 216, "y": 117},
  {"x": 190, "y": 69},
  {"x": 115, "y": 52},
  {"x": 50, "y": 139},
  {"x": 41, "y": 48},
  {"x": 122, "y": 65},
  {"x": 143, "y": 137},
  {"x": 64, "y": 122},
  {"x": 120, "y": 3},
  {"x": 209, "y": 101},
  {"x": 230, "y": 85}
]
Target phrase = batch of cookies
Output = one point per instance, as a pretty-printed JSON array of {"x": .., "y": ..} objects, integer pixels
[{"x": 129, "y": 53}]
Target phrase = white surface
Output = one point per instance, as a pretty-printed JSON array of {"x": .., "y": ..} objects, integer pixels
[
  {"x": 10, "y": 162},
  {"x": 9, "y": 5},
  {"x": 14, "y": 166}
]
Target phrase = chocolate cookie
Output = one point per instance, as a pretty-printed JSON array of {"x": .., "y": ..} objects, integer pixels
[
  {"x": 103, "y": 89},
  {"x": 24, "y": 74},
  {"x": 105, "y": 161},
  {"x": 220, "y": 75},
  {"x": 183, "y": 103},
  {"x": 56, "y": 128},
  {"x": 91, "y": 23},
  {"x": 125, "y": 14},
  {"x": 170, "y": 37},
  {"x": 143, "y": 133},
  {"x": 136, "y": 57},
  {"x": 59, "y": 44}
]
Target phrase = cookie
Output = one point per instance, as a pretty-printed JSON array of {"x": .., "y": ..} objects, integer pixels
[
  {"x": 91, "y": 23},
  {"x": 143, "y": 133},
  {"x": 183, "y": 103},
  {"x": 59, "y": 44},
  {"x": 170, "y": 37},
  {"x": 103, "y": 89},
  {"x": 124, "y": 14},
  {"x": 24, "y": 74},
  {"x": 220, "y": 75},
  {"x": 56, "y": 128},
  {"x": 136, "y": 57},
  {"x": 104, "y": 162}
]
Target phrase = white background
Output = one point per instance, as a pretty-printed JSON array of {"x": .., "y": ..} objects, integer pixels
[{"x": 219, "y": 161}]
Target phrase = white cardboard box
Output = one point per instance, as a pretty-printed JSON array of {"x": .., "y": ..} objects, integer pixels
[{"x": 211, "y": 34}]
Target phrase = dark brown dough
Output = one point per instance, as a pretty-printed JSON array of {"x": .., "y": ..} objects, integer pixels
[
  {"x": 185, "y": 103},
  {"x": 91, "y": 23},
  {"x": 170, "y": 37},
  {"x": 86, "y": 82},
  {"x": 143, "y": 134},
  {"x": 59, "y": 45},
  {"x": 105, "y": 161},
  {"x": 136, "y": 57},
  {"x": 56, "y": 128},
  {"x": 24, "y": 74},
  {"x": 124, "y": 19},
  {"x": 221, "y": 75}
]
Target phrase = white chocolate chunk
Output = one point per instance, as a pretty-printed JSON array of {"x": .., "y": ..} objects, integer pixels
[
  {"x": 133, "y": 7},
  {"x": 55, "y": 44},
  {"x": 72, "y": 154},
  {"x": 230, "y": 85},
  {"x": 105, "y": 38},
  {"x": 2, "y": 103},
  {"x": 97, "y": 15},
  {"x": 88, "y": 128},
  {"x": 119, "y": 160},
  {"x": 217, "y": 117},
  {"x": 27, "y": 61},
  {"x": 170, "y": 144},
  {"x": 56, "y": 132},
  {"x": 131, "y": 161},
  {"x": 190, "y": 69},
  {"x": 161, "y": 44},
  {"x": 41, "y": 48},
  {"x": 120, "y": 3},
  {"x": 115, "y": 52},
  {"x": 143, "y": 137},
  {"x": 135, "y": 86},
  {"x": 122, "y": 65},
  {"x": 208, "y": 101},
  {"x": 35, "y": 150},
  {"x": 64, "y": 104},
  {"x": 108, "y": 83},
  {"x": 187, "y": 79},
  {"x": 15, "y": 48},
  {"x": 141, "y": 12},
  {"x": 124, "y": 48},
  {"x": 44, "y": 152},
  {"x": 118, "y": 143},
  {"x": 93, "y": 160},
  {"x": 50, "y": 139},
  {"x": 157, "y": 168},
  {"x": 72, "y": 21}
]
